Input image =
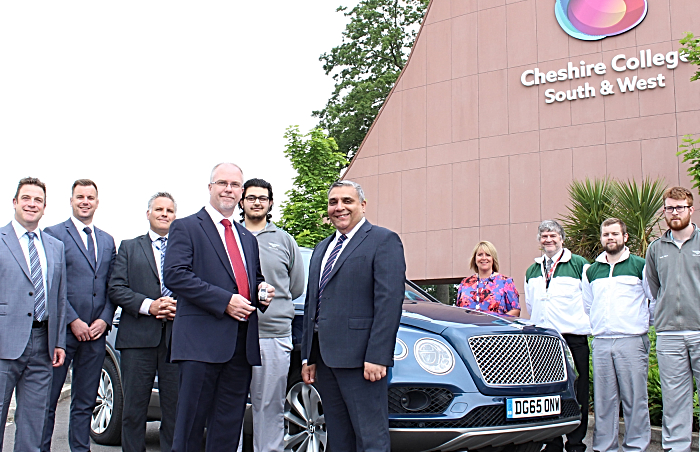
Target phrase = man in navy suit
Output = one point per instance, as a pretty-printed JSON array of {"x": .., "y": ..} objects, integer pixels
[
  {"x": 90, "y": 254},
  {"x": 32, "y": 314},
  {"x": 351, "y": 317},
  {"x": 213, "y": 268}
]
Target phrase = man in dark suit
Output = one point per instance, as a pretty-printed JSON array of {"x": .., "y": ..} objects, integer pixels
[
  {"x": 145, "y": 327},
  {"x": 90, "y": 254},
  {"x": 213, "y": 267},
  {"x": 351, "y": 317},
  {"x": 32, "y": 314}
]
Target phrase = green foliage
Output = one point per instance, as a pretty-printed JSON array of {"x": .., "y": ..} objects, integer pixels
[
  {"x": 640, "y": 208},
  {"x": 590, "y": 205},
  {"x": 691, "y": 47},
  {"x": 691, "y": 153},
  {"x": 316, "y": 160},
  {"x": 594, "y": 201},
  {"x": 375, "y": 47}
]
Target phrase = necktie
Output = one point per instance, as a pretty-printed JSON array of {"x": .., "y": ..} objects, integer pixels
[
  {"x": 325, "y": 276},
  {"x": 91, "y": 245},
  {"x": 235, "y": 255},
  {"x": 547, "y": 269},
  {"x": 37, "y": 280},
  {"x": 162, "y": 244}
]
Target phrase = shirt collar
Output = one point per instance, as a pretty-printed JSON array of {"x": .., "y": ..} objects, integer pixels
[
  {"x": 155, "y": 236},
  {"x": 354, "y": 230},
  {"x": 216, "y": 216},
  {"x": 79, "y": 225},
  {"x": 21, "y": 230}
]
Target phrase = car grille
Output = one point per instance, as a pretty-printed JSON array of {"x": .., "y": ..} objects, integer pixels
[
  {"x": 519, "y": 359},
  {"x": 423, "y": 400},
  {"x": 490, "y": 416}
]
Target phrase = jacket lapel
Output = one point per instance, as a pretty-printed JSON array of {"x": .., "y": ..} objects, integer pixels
[
  {"x": 249, "y": 268},
  {"x": 147, "y": 246},
  {"x": 49, "y": 249},
  {"x": 10, "y": 238},
  {"x": 315, "y": 266},
  {"x": 213, "y": 235},
  {"x": 101, "y": 245},
  {"x": 78, "y": 240}
]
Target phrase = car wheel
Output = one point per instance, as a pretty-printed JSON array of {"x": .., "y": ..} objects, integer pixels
[
  {"x": 106, "y": 424},
  {"x": 304, "y": 422}
]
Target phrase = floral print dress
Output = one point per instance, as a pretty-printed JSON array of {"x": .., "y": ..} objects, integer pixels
[{"x": 497, "y": 293}]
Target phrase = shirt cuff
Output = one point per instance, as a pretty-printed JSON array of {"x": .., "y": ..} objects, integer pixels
[
  {"x": 145, "y": 306},
  {"x": 304, "y": 361}
]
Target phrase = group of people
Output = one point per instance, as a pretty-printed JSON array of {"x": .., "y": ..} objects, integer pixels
[
  {"x": 211, "y": 317},
  {"x": 615, "y": 299}
]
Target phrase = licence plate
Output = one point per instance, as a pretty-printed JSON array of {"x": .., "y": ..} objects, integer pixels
[{"x": 533, "y": 407}]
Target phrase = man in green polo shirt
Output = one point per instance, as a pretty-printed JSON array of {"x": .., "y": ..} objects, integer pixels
[{"x": 616, "y": 302}]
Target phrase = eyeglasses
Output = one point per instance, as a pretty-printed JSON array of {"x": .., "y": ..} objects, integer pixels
[
  {"x": 679, "y": 209},
  {"x": 251, "y": 199},
  {"x": 223, "y": 184}
]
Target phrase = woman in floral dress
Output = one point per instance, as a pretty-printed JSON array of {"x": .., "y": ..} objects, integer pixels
[{"x": 488, "y": 290}]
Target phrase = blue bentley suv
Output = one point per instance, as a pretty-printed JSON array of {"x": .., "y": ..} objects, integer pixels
[{"x": 462, "y": 380}]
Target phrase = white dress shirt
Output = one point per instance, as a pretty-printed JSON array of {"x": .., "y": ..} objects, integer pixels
[
  {"x": 331, "y": 245},
  {"x": 216, "y": 217},
  {"x": 79, "y": 225},
  {"x": 146, "y": 305},
  {"x": 24, "y": 243}
]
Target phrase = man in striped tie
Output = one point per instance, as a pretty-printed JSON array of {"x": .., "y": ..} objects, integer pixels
[
  {"x": 148, "y": 308},
  {"x": 352, "y": 312},
  {"x": 32, "y": 314}
]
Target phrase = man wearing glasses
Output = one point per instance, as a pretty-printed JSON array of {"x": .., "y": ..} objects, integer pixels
[
  {"x": 673, "y": 273},
  {"x": 283, "y": 267},
  {"x": 213, "y": 267}
]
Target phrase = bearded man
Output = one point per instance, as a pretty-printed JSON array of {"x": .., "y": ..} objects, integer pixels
[{"x": 673, "y": 274}]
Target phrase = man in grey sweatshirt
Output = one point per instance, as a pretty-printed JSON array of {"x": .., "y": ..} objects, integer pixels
[
  {"x": 673, "y": 274},
  {"x": 283, "y": 268}
]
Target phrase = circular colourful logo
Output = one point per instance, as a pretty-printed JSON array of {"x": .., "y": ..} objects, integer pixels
[{"x": 591, "y": 20}]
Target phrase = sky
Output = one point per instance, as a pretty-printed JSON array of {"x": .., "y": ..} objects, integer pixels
[{"x": 147, "y": 96}]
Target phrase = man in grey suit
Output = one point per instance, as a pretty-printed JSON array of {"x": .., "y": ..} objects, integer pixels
[
  {"x": 32, "y": 314},
  {"x": 148, "y": 309},
  {"x": 90, "y": 254},
  {"x": 351, "y": 317}
]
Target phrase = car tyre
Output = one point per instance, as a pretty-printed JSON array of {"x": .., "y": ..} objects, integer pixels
[
  {"x": 106, "y": 422},
  {"x": 304, "y": 421}
]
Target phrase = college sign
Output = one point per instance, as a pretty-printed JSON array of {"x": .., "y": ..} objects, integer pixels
[{"x": 591, "y": 20}]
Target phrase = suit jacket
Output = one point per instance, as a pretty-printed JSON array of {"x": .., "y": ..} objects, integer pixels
[
  {"x": 361, "y": 304},
  {"x": 135, "y": 278},
  {"x": 87, "y": 284},
  {"x": 197, "y": 269},
  {"x": 17, "y": 294}
]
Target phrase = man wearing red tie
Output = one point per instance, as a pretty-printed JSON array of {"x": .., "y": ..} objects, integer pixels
[{"x": 213, "y": 267}]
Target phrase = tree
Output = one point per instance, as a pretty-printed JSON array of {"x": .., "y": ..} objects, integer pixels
[
  {"x": 375, "y": 47},
  {"x": 691, "y": 48},
  {"x": 592, "y": 202},
  {"x": 691, "y": 153},
  {"x": 318, "y": 163}
]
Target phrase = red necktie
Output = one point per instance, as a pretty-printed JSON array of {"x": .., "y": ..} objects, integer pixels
[{"x": 235, "y": 255}]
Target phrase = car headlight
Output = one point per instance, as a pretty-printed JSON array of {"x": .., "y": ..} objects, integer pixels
[
  {"x": 569, "y": 357},
  {"x": 434, "y": 356}
]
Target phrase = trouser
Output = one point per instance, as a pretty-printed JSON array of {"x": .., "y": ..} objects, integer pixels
[
  {"x": 87, "y": 358},
  {"x": 139, "y": 367},
  {"x": 620, "y": 369},
  {"x": 268, "y": 389},
  {"x": 578, "y": 344},
  {"x": 679, "y": 361},
  {"x": 355, "y": 409},
  {"x": 213, "y": 394},
  {"x": 30, "y": 375}
]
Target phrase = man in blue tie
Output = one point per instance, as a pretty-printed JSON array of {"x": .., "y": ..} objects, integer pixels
[
  {"x": 32, "y": 314},
  {"x": 148, "y": 308},
  {"x": 90, "y": 254},
  {"x": 351, "y": 316}
]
